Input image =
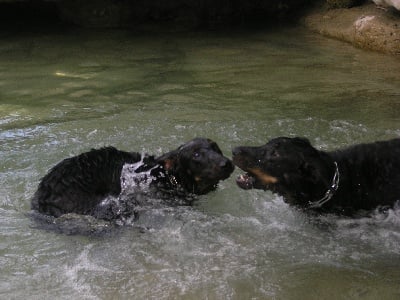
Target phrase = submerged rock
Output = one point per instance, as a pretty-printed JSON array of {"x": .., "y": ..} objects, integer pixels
[
  {"x": 81, "y": 224},
  {"x": 72, "y": 224}
]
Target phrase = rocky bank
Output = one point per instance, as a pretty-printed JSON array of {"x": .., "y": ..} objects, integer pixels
[
  {"x": 366, "y": 26},
  {"x": 359, "y": 22}
]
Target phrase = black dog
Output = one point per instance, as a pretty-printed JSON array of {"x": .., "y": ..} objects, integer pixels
[
  {"x": 361, "y": 177},
  {"x": 80, "y": 183}
]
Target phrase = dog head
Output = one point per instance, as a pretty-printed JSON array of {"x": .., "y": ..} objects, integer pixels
[
  {"x": 197, "y": 165},
  {"x": 290, "y": 167}
]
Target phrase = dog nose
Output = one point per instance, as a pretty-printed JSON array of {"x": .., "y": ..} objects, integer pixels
[
  {"x": 223, "y": 163},
  {"x": 226, "y": 164},
  {"x": 236, "y": 151}
]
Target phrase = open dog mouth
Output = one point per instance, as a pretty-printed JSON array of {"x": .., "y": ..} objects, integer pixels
[
  {"x": 255, "y": 178},
  {"x": 245, "y": 181}
]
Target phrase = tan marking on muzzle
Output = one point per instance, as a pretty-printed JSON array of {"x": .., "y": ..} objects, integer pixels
[{"x": 265, "y": 178}]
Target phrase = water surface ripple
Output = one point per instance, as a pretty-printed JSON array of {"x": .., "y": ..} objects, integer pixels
[{"x": 64, "y": 93}]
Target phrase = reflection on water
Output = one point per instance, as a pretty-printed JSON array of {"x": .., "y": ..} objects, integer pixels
[{"x": 62, "y": 94}]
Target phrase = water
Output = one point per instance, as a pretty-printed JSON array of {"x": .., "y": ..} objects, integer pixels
[{"x": 64, "y": 92}]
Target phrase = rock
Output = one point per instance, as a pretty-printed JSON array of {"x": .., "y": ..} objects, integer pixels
[
  {"x": 388, "y": 3},
  {"x": 364, "y": 26},
  {"x": 343, "y": 3},
  {"x": 117, "y": 13},
  {"x": 96, "y": 13}
]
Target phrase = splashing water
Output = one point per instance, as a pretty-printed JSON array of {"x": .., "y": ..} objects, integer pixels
[
  {"x": 135, "y": 194},
  {"x": 135, "y": 179}
]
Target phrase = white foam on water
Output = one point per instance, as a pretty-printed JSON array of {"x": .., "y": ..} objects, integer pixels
[
  {"x": 132, "y": 179},
  {"x": 75, "y": 273},
  {"x": 135, "y": 193}
]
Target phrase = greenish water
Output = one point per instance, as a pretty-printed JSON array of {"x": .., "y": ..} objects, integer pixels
[{"x": 64, "y": 93}]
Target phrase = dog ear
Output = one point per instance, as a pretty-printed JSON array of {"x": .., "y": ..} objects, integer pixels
[
  {"x": 168, "y": 160},
  {"x": 302, "y": 141}
]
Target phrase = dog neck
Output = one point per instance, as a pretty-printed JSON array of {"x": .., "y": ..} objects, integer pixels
[
  {"x": 330, "y": 192},
  {"x": 172, "y": 180}
]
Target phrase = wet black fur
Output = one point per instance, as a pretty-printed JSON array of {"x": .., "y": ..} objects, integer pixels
[
  {"x": 369, "y": 173},
  {"x": 78, "y": 184}
]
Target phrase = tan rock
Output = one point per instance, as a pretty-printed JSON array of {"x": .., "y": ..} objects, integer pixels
[{"x": 364, "y": 26}]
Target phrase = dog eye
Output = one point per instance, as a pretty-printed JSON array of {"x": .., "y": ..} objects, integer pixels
[
  {"x": 196, "y": 155},
  {"x": 274, "y": 153}
]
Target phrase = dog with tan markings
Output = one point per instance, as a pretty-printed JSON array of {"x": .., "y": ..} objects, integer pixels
[{"x": 360, "y": 177}]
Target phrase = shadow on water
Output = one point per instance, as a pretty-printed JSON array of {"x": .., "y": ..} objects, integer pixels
[{"x": 73, "y": 224}]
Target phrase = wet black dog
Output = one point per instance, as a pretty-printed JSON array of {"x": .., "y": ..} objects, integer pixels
[
  {"x": 80, "y": 183},
  {"x": 361, "y": 177}
]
